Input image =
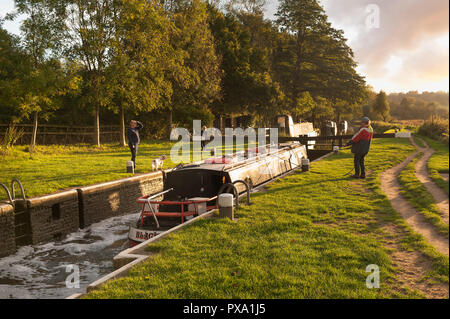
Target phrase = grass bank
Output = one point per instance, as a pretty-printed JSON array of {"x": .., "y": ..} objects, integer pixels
[
  {"x": 418, "y": 196},
  {"x": 56, "y": 167},
  {"x": 309, "y": 235}
]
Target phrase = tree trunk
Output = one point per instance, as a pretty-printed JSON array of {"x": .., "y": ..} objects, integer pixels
[
  {"x": 221, "y": 123},
  {"x": 97, "y": 126},
  {"x": 169, "y": 124},
  {"x": 34, "y": 133},
  {"x": 122, "y": 127}
]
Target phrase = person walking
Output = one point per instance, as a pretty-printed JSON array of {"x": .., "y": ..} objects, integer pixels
[
  {"x": 133, "y": 139},
  {"x": 360, "y": 143}
]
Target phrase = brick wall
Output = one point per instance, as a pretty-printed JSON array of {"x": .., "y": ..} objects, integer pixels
[
  {"x": 7, "y": 236},
  {"x": 53, "y": 216},
  {"x": 99, "y": 202}
]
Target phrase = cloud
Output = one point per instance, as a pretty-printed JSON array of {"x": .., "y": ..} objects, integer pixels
[
  {"x": 409, "y": 50},
  {"x": 7, "y": 6},
  {"x": 410, "y": 41}
]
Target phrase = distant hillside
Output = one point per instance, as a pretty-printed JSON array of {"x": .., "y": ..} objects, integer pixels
[
  {"x": 429, "y": 97},
  {"x": 415, "y": 105}
]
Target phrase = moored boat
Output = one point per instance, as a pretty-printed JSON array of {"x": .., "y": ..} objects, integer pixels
[{"x": 192, "y": 190}]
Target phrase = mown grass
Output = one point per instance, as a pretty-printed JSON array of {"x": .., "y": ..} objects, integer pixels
[
  {"x": 439, "y": 162},
  {"x": 418, "y": 196},
  {"x": 310, "y": 235},
  {"x": 56, "y": 167}
]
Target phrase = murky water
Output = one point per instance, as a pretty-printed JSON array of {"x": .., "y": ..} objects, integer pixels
[{"x": 40, "y": 271}]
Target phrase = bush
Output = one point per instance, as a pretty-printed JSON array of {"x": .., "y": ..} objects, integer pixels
[
  {"x": 380, "y": 127},
  {"x": 11, "y": 136},
  {"x": 436, "y": 129}
]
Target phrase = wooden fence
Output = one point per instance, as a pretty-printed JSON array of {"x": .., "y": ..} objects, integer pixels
[{"x": 64, "y": 134}]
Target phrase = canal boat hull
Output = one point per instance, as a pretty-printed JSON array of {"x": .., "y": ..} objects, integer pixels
[{"x": 193, "y": 189}]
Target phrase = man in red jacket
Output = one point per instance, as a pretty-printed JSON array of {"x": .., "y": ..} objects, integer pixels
[{"x": 360, "y": 143}]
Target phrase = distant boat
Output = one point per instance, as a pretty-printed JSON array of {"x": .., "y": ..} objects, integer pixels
[{"x": 286, "y": 125}]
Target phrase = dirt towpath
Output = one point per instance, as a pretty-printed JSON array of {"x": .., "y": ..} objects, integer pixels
[
  {"x": 391, "y": 187},
  {"x": 439, "y": 195}
]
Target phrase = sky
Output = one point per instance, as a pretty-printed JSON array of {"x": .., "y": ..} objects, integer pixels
[{"x": 399, "y": 45}]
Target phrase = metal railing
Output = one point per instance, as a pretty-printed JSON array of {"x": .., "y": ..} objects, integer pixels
[{"x": 12, "y": 194}]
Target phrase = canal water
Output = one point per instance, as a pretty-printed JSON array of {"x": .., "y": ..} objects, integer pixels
[{"x": 41, "y": 271}]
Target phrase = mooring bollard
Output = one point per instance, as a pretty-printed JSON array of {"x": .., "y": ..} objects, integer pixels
[
  {"x": 226, "y": 208},
  {"x": 130, "y": 167},
  {"x": 305, "y": 164}
]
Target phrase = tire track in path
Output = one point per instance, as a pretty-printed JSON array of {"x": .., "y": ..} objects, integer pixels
[
  {"x": 391, "y": 187},
  {"x": 421, "y": 172}
]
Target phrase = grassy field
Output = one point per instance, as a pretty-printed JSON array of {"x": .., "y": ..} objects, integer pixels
[
  {"x": 56, "y": 167},
  {"x": 439, "y": 162},
  {"x": 309, "y": 235},
  {"x": 418, "y": 196}
]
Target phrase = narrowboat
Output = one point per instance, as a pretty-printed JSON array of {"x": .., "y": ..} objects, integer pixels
[{"x": 191, "y": 190}]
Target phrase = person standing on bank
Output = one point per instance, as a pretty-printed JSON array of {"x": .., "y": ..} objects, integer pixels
[
  {"x": 360, "y": 143},
  {"x": 203, "y": 139},
  {"x": 133, "y": 139}
]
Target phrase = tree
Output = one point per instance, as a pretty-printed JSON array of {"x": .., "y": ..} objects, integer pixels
[
  {"x": 265, "y": 96},
  {"x": 317, "y": 60},
  {"x": 381, "y": 106},
  {"x": 40, "y": 35},
  {"x": 365, "y": 109},
  {"x": 247, "y": 85},
  {"x": 432, "y": 108},
  {"x": 196, "y": 79},
  {"x": 140, "y": 55},
  {"x": 89, "y": 32},
  {"x": 14, "y": 66}
]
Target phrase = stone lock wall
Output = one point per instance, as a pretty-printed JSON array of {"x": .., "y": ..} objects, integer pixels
[
  {"x": 99, "y": 202},
  {"x": 7, "y": 239},
  {"x": 53, "y": 216}
]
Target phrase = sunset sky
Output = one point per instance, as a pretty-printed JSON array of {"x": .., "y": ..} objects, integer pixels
[{"x": 409, "y": 50}]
